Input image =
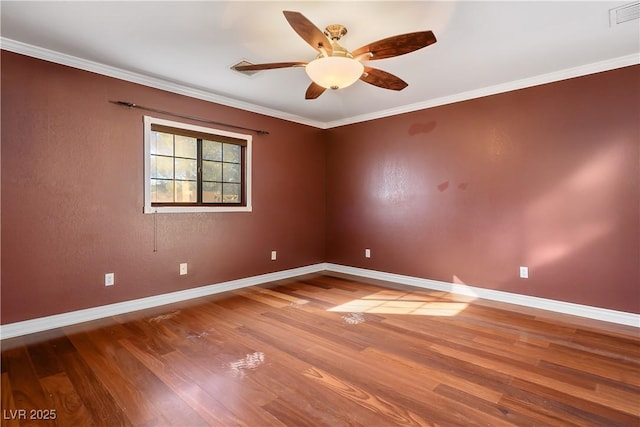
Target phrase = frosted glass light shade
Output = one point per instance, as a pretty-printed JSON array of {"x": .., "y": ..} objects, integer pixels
[{"x": 334, "y": 72}]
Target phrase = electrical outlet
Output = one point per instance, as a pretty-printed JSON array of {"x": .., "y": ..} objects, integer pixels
[
  {"x": 183, "y": 268},
  {"x": 524, "y": 272},
  {"x": 367, "y": 253},
  {"x": 274, "y": 255},
  {"x": 109, "y": 279}
]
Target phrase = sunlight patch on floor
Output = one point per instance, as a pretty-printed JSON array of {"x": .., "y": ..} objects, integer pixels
[{"x": 394, "y": 302}]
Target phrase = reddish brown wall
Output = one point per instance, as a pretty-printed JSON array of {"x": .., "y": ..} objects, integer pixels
[
  {"x": 546, "y": 177},
  {"x": 72, "y": 196}
]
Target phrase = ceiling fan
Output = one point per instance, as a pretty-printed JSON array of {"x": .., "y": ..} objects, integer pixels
[{"x": 335, "y": 67}]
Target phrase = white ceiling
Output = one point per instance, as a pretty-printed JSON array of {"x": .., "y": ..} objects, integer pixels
[{"x": 188, "y": 47}]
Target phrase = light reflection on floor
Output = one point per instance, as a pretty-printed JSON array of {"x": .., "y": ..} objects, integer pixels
[
  {"x": 393, "y": 302},
  {"x": 250, "y": 361},
  {"x": 166, "y": 316},
  {"x": 353, "y": 318}
]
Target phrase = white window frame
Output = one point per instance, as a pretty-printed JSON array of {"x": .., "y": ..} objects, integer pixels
[{"x": 149, "y": 209}]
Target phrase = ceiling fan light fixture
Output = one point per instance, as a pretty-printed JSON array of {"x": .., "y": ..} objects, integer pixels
[{"x": 334, "y": 72}]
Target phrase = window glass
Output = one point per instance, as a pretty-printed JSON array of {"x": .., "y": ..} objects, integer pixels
[
  {"x": 186, "y": 147},
  {"x": 162, "y": 143},
  {"x": 212, "y": 192},
  {"x": 195, "y": 169},
  {"x": 231, "y": 172},
  {"x": 186, "y": 169},
  {"x": 211, "y": 171},
  {"x": 231, "y": 153},
  {"x": 161, "y": 191},
  {"x": 212, "y": 150}
]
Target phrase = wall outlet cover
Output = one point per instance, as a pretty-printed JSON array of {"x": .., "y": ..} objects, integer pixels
[{"x": 109, "y": 279}]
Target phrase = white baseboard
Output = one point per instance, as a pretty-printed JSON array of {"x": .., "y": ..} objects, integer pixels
[
  {"x": 65, "y": 319},
  {"x": 597, "y": 313}
]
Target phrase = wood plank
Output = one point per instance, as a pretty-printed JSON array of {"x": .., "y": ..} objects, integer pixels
[
  {"x": 70, "y": 410},
  {"x": 408, "y": 390},
  {"x": 94, "y": 395},
  {"x": 327, "y": 350},
  {"x": 198, "y": 399},
  {"x": 587, "y": 392},
  {"x": 433, "y": 378},
  {"x": 558, "y": 407},
  {"x": 305, "y": 401},
  {"x": 44, "y": 360},
  {"x": 494, "y": 409},
  {"x": 387, "y": 409},
  {"x": 235, "y": 403},
  {"x": 8, "y": 404},
  {"x": 27, "y": 392},
  {"x": 149, "y": 390},
  {"x": 102, "y": 357}
]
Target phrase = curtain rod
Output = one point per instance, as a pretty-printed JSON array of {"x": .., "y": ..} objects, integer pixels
[{"x": 132, "y": 105}]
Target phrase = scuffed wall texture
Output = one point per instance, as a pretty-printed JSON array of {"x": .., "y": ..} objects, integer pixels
[
  {"x": 72, "y": 196},
  {"x": 546, "y": 177}
]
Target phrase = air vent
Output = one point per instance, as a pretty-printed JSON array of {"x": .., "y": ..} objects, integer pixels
[
  {"x": 244, "y": 73},
  {"x": 625, "y": 13}
]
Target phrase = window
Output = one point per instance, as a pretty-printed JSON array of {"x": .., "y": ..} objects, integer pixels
[{"x": 191, "y": 168}]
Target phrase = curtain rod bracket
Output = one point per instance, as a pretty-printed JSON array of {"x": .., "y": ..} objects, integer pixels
[{"x": 198, "y": 119}]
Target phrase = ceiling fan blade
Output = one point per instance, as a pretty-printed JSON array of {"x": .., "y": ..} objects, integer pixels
[
  {"x": 308, "y": 31},
  {"x": 259, "y": 67},
  {"x": 383, "y": 79},
  {"x": 396, "y": 45},
  {"x": 313, "y": 91}
]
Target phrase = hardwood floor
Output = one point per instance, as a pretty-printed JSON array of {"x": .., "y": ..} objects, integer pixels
[{"x": 326, "y": 351}]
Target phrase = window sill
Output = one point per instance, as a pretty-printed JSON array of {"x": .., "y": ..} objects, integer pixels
[{"x": 195, "y": 209}]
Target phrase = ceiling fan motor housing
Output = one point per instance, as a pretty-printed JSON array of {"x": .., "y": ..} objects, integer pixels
[
  {"x": 335, "y": 31},
  {"x": 335, "y": 67}
]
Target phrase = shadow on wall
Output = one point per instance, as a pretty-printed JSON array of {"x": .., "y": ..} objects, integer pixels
[
  {"x": 591, "y": 186},
  {"x": 565, "y": 228}
]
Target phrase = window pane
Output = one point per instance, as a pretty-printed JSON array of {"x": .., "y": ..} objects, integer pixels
[
  {"x": 211, "y": 171},
  {"x": 211, "y": 192},
  {"x": 194, "y": 169},
  {"x": 231, "y": 193},
  {"x": 231, "y": 172},
  {"x": 186, "y": 147},
  {"x": 212, "y": 150},
  {"x": 161, "y": 143},
  {"x": 186, "y": 169},
  {"x": 186, "y": 192},
  {"x": 161, "y": 167},
  {"x": 231, "y": 153},
  {"x": 161, "y": 191}
]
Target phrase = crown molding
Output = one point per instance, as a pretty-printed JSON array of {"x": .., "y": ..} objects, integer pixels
[
  {"x": 182, "y": 89},
  {"x": 146, "y": 80},
  {"x": 569, "y": 73}
]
